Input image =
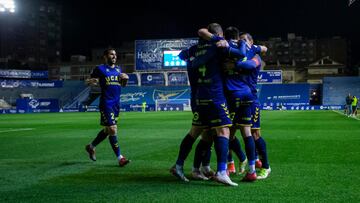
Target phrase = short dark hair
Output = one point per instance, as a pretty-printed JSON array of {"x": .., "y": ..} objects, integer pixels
[
  {"x": 106, "y": 52},
  {"x": 215, "y": 28},
  {"x": 231, "y": 33},
  {"x": 247, "y": 34}
]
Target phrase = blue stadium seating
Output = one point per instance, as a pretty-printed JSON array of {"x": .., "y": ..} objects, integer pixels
[
  {"x": 335, "y": 89},
  {"x": 67, "y": 93}
]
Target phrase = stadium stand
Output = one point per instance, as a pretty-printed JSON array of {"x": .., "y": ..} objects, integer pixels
[
  {"x": 4, "y": 104},
  {"x": 67, "y": 93},
  {"x": 335, "y": 89}
]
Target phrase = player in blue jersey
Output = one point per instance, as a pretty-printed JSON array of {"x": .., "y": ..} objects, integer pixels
[
  {"x": 240, "y": 99},
  {"x": 203, "y": 148},
  {"x": 239, "y": 81},
  {"x": 254, "y": 66},
  {"x": 232, "y": 38},
  {"x": 110, "y": 78},
  {"x": 211, "y": 107}
]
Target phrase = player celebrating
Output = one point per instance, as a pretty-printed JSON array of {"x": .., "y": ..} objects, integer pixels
[
  {"x": 255, "y": 129},
  {"x": 111, "y": 79},
  {"x": 240, "y": 98},
  {"x": 203, "y": 149},
  {"x": 211, "y": 108},
  {"x": 253, "y": 67}
]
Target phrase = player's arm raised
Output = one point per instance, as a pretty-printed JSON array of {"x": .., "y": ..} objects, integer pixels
[{"x": 263, "y": 48}]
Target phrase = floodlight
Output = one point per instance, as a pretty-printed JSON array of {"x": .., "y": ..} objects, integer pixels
[
  {"x": 7, "y": 6},
  {"x": 351, "y": 2}
]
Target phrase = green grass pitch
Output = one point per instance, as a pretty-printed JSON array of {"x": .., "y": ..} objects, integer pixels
[{"x": 314, "y": 156}]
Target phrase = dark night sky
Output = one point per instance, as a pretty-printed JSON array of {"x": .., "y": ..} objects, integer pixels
[{"x": 88, "y": 24}]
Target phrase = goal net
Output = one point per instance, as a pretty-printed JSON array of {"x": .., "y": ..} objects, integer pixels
[{"x": 172, "y": 105}]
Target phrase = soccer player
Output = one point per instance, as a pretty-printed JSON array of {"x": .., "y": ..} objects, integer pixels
[
  {"x": 232, "y": 41},
  {"x": 211, "y": 107},
  {"x": 203, "y": 149},
  {"x": 110, "y": 78},
  {"x": 253, "y": 66},
  {"x": 239, "y": 98}
]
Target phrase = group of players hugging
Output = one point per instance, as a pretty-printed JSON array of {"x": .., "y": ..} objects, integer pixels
[{"x": 223, "y": 68}]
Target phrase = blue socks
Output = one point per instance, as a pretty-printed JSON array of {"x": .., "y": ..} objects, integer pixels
[
  {"x": 250, "y": 152},
  {"x": 261, "y": 147},
  {"x": 115, "y": 145},
  {"x": 99, "y": 138},
  {"x": 222, "y": 149},
  {"x": 185, "y": 148}
]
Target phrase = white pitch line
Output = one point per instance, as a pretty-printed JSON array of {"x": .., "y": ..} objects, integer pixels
[
  {"x": 16, "y": 130},
  {"x": 346, "y": 115}
]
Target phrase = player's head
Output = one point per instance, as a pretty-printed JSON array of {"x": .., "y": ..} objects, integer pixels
[
  {"x": 110, "y": 56},
  {"x": 216, "y": 29},
  {"x": 247, "y": 37},
  {"x": 231, "y": 33}
]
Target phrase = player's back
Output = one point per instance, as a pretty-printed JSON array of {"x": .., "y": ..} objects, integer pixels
[
  {"x": 188, "y": 55},
  {"x": 207, "y": 64}
]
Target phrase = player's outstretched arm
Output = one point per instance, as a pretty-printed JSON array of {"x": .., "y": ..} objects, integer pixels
[
  {"x": 263, "y": 48},
  {"x": 239, "y": 52},
  {"x": 184, "y": 54},
  {"x": 259, "y": 49},
  {"x": 248, "y": 64}
]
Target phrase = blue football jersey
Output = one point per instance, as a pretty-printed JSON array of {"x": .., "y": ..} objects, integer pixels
[
  {"x": 109, "y": 84},
  {"x": 250, "y": 70},
  {"x": 252, "y": 51},
  {"x": 234, "y": 80},
  {"x": 207, "y": 62},
  {"x": 188, "y": 55}
]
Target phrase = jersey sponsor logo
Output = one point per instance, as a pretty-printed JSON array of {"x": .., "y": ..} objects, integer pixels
[{"x": 112, "y": 80}]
